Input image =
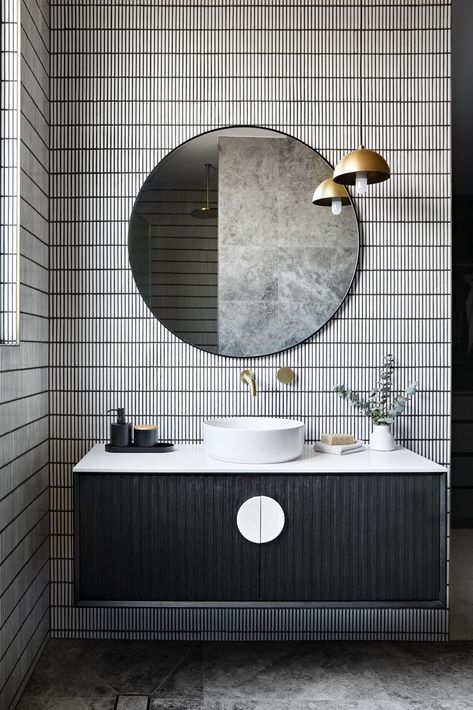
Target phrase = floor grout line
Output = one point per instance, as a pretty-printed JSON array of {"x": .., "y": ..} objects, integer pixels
[{"x": 173, "y": 670}]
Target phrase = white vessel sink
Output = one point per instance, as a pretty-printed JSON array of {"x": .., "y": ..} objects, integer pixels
[{"x": 253, "y": 439}]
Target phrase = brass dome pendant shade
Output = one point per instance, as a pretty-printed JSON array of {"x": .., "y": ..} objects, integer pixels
[
  {"x": 206, "y": 212},
  {"x": 361, "y": 160},
  {"x": 361, "y": 167},
  {"x": 329, "y": 194}
]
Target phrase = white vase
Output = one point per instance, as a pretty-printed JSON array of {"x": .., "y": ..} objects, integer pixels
[{"x": 381, "y": 438}]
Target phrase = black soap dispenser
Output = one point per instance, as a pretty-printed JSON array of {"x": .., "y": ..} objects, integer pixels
[{"x": 120, "y": 431}]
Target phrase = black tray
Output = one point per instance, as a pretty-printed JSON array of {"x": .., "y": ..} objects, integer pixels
[{"x": 161, "y": 447}]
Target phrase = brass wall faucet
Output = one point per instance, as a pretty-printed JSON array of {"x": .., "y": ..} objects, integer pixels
[{"x": 248, "y": 377}]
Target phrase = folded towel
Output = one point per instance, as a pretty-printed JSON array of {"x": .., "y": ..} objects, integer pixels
[{"x": 339, "y": 450}]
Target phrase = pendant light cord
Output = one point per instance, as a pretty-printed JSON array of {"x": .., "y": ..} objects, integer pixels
[{"x": 360, "y": 68}]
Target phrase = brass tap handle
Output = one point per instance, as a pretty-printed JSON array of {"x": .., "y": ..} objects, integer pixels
[
  {"x": 286, "y": 375},
  {"x": 248, "y": 377}
]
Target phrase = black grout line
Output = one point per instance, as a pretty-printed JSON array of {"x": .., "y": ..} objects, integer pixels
[
  {"x": 15, "y": 517},
  {"x": 34, "y": 128},
  {"x": 23, "y": 481},
  {"x": 26, "y": 424},
  {"x": 23, "y": 650},
  {"x": 33, "y": 49},
  {"x": 25, "y": 146},
  {"x": 38, "y": 108},
  {"x": 16, "y": 458},
  {"x": 32, "y": 207},
  {"x": 30, "y": 669},
  {"x": 46, "y": 20},
  {"x": 24, "y": 396},
  {"x": 38, "y": 33},
  {"x": 36, "y": 185},
  {"x": 35, "y": 236},
  {"x": 45, "y": 565},
  {"x": 44, "y": 541},
  {"x": 172, "y": 671}
]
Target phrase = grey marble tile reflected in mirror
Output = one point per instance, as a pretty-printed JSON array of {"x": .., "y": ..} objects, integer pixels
[{"x": 265, "y": 273}]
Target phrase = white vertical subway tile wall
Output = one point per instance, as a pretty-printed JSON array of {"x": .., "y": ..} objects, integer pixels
[
  {"x": 131, "y": 81},
  {"x": 24, "y": 385}
]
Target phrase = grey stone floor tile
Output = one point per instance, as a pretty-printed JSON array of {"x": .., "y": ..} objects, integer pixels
[
  {"x": 423, "y": 694},
  {"x": 63, "y": 671},
  {"x": 88, "y": 675},
  {"x": 295, "y": 673},
  {"x": 132, "y": 702},
  {"x": 258, "y": 704},
  {"x": 162, "y": 704},
  {"x": 428, "y": 675},
  {"x": 42, "y": 702},
  {"x": 137, "y": 667},
  {"x": 186, "y": 681},
  {"x": 103, "y": 669},
  {"x": 453, "y": 703}
]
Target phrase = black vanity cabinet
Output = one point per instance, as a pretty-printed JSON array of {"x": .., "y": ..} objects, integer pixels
[
  {"x": 356, "y": 538},
  {"x": 360, "y": 539},
  {"x": 163, "y": 538}
]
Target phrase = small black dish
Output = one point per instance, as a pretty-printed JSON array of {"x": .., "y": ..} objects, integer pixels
[{"x": 161, "y": 447}]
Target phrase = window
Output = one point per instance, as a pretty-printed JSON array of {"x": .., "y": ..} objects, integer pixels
[{"x": 9, "y": 172}]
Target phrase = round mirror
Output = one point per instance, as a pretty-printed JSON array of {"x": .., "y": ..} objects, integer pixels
[{"x": 228, "y": 250}]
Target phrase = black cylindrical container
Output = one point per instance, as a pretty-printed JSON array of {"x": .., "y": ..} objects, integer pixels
[
  {"x": 145, "y": 435},
  {"x": 120, "y": 431},
  {"x": 120, "y": 434}
]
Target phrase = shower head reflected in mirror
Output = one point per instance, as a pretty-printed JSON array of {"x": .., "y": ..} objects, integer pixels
[{"x": 206, "y": 212}]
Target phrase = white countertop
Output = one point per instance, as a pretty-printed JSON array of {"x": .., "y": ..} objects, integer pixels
[{"x": 190, "y": 458}]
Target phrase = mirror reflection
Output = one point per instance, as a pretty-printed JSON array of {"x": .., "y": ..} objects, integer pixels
[{"x": 228, "y": 250}]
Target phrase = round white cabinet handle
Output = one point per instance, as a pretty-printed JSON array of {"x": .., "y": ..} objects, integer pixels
[{"x": 260, "y": 519}]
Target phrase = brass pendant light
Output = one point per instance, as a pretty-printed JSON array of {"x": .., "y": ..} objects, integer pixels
[
  {"x": 329, "y": 194},
  {"x": 206, "y": 212},
  {"x": 361, "y": 167}
]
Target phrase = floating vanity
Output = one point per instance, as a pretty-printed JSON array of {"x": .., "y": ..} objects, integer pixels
[{"x": 359, "y": 552}]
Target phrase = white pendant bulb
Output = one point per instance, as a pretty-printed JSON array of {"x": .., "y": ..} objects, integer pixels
[
  {"x": 329, "y": 194},
  {"x": 361, "y": 182},
  {"x": 336, "y": 205}
]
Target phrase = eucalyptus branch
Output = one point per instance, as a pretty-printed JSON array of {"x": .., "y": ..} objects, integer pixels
[{"x": 383, "y": 405}]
